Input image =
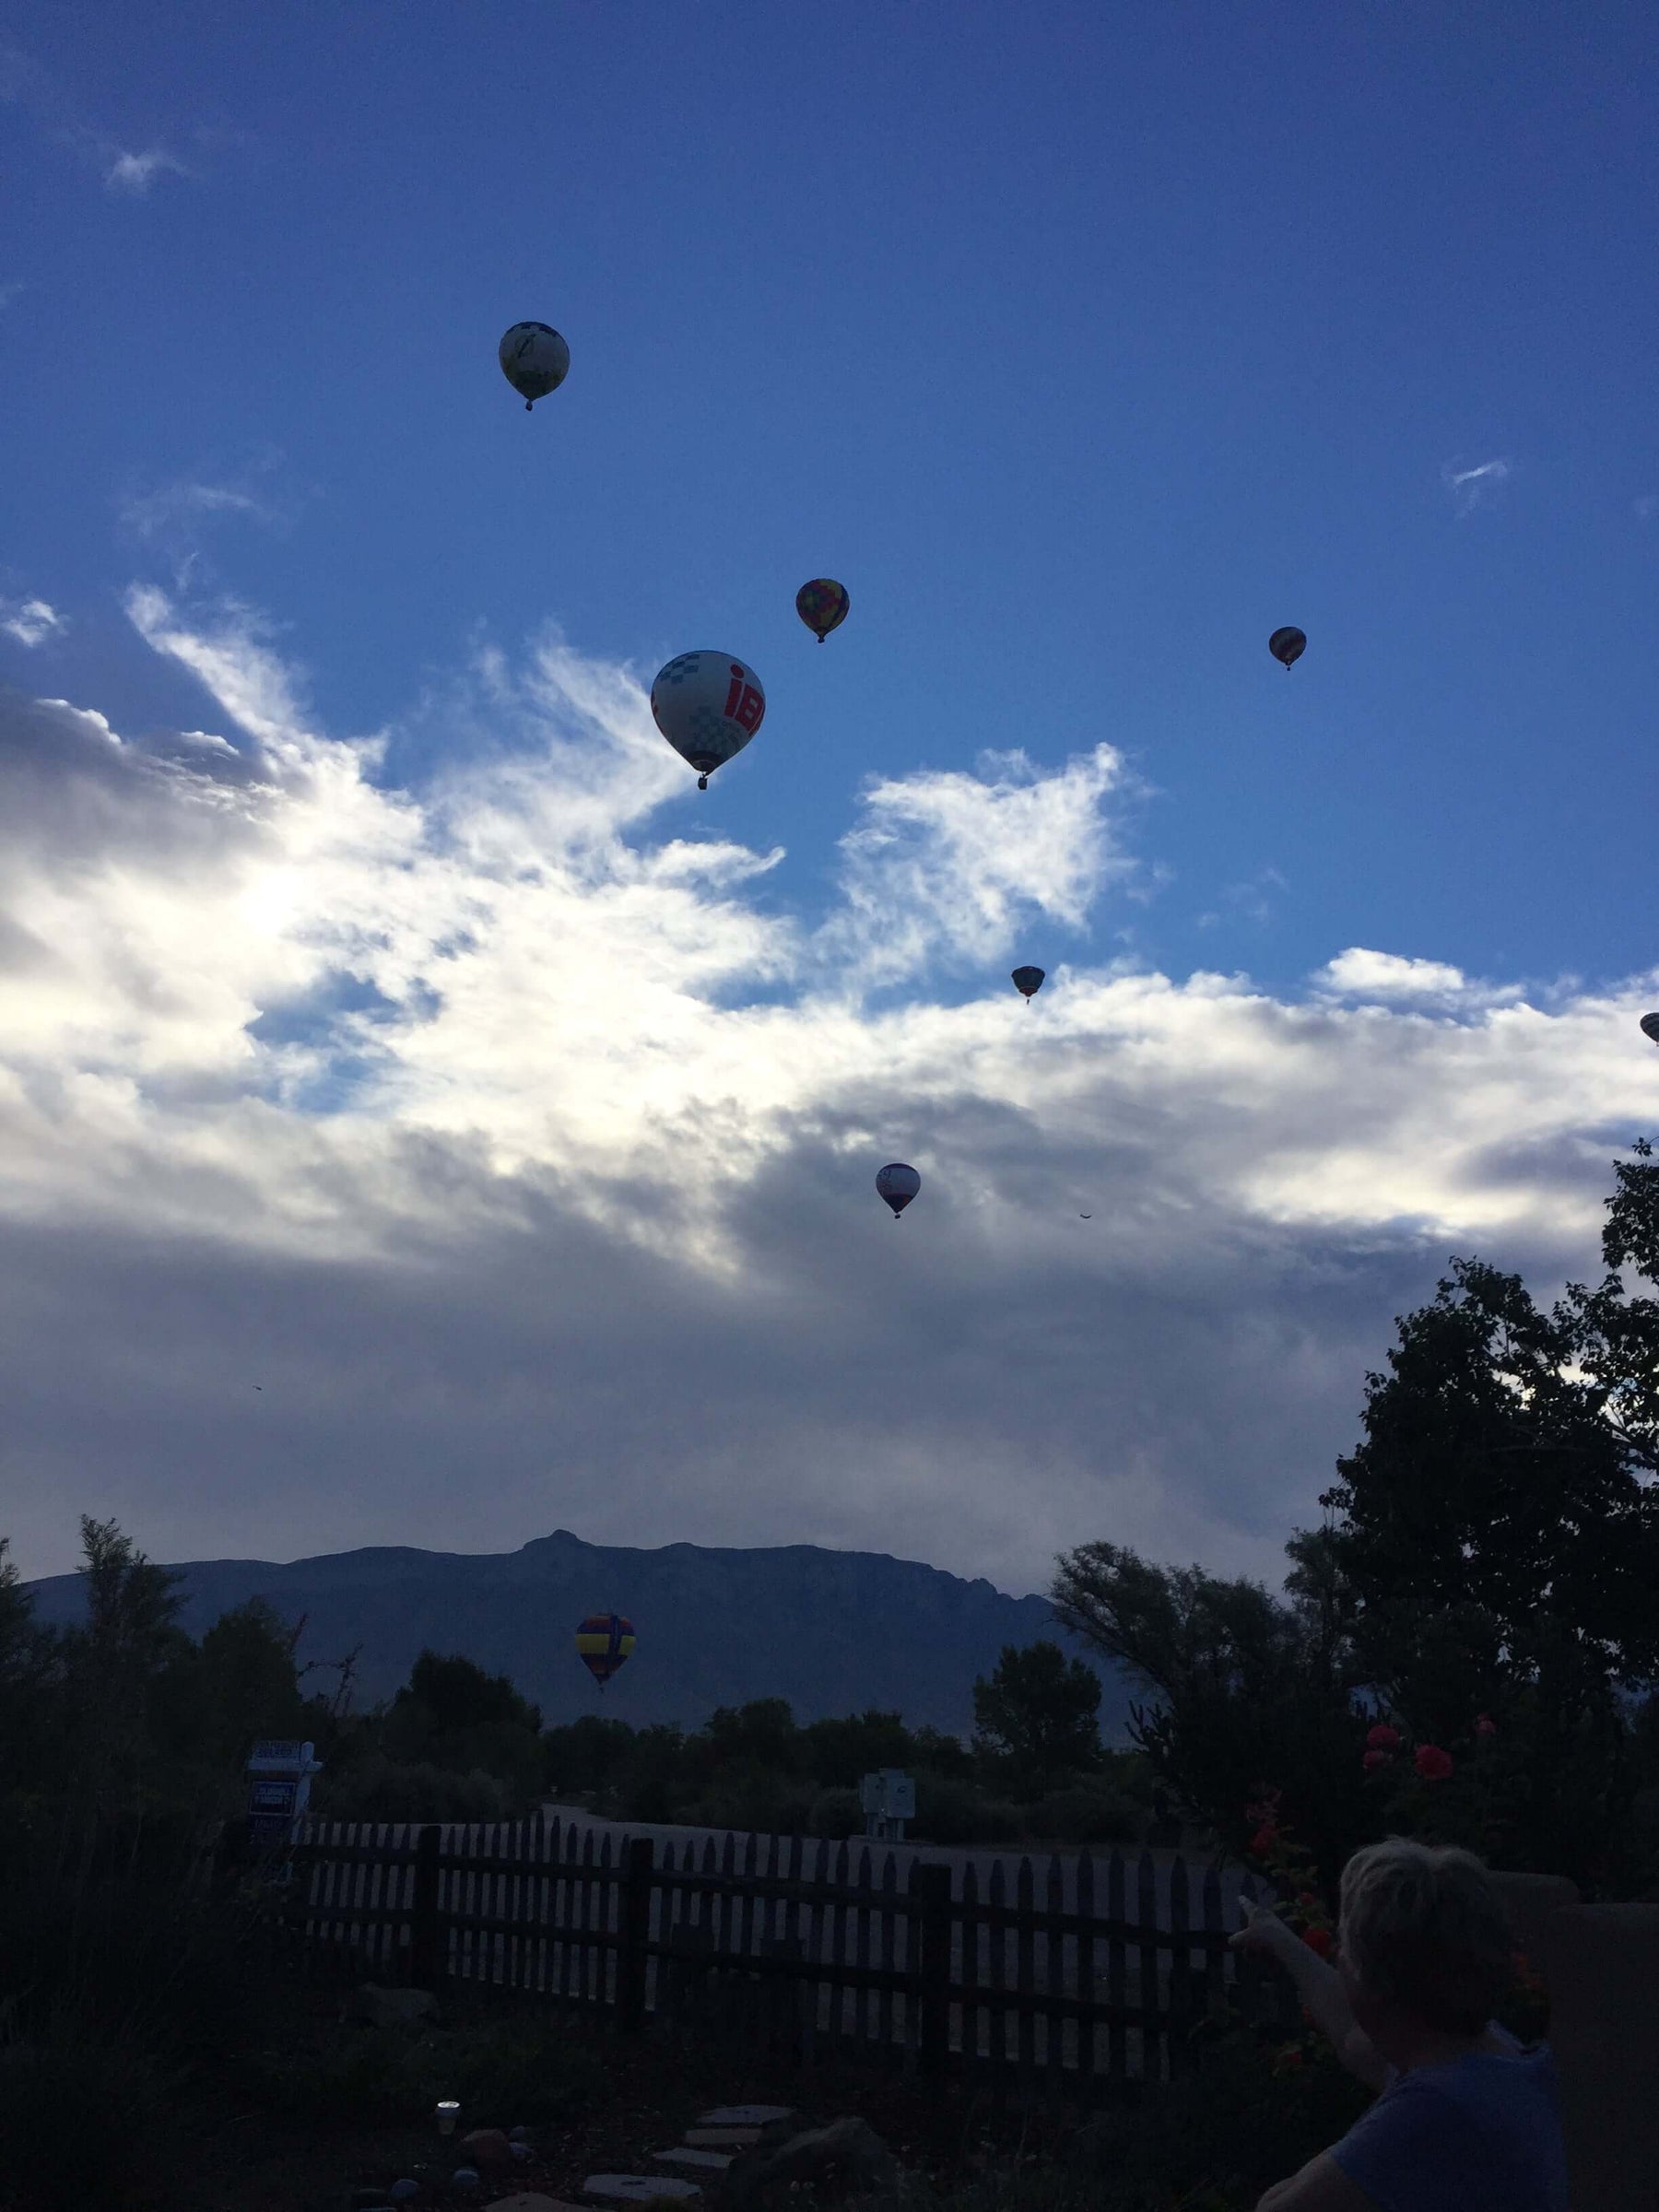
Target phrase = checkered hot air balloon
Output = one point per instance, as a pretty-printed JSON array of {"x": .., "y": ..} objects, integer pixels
[
  {"x": 822, "y": 604},
  {"x": 708, "y": 706},
  {"x": 603, "y": 1641}
]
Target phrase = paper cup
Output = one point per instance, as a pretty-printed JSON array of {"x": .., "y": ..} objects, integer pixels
[{"x": 449, "y": 2112}]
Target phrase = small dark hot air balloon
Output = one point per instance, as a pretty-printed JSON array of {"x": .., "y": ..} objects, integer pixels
[
  {"x": 535, "y": 360},
  {"x": 1028, "y": 981},
  {"x": 1650, "y": 1027},
  {"x": 898, "y": 1184},
  {"x": 822, "y": 604},
  {"x": 603, "y": 1641},
  {"x": 1288, "y": 645}
]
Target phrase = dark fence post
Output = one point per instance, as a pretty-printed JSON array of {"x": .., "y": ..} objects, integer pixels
[
  {"x": 633, "y": 1933},
  {"x": 426, "y": 1963},
  {"x": 930, "y": 1931}
]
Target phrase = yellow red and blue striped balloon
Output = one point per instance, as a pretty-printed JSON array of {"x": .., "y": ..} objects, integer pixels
[
  {"x": 822, "y": 604},
  {"x": 603, "y": 1641}
]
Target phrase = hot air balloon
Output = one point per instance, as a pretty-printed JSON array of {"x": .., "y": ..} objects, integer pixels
[
  {"x": 898, "y": 1184},
  {"x": 1650, "y": 1027},
  {"x": 1288, "y": 645},
  {"x": 1028, "y": 981},
  {"x": 822, "y": 604},
  {"x": 535, "y": 360},
  {"x": 603, "y": 1641},
  {"x": 708, "y": 706}
]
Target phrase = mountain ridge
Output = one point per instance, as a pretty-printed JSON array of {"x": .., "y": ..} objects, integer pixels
[{"x": 832, "y": 1631}]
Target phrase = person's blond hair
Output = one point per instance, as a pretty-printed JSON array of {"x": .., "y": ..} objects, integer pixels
[{"x": 1424, "y": 1927}]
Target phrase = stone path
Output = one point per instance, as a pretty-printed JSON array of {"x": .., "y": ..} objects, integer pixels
[{"x": 735, "y": 2125}]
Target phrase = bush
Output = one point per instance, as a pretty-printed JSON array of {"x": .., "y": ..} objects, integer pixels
[
  {"x": 387, "y": 1789},
  {"x": 503, "y": 2071},
  {"x": 1087, "y": 1814},
  {"x": 836, "y": 1814},
  {"x": 757, "y": 1802},
  {"x": 950, "y": 1812}
]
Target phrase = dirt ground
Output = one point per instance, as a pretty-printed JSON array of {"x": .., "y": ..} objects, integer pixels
[{"x": 233, "y": 2159}]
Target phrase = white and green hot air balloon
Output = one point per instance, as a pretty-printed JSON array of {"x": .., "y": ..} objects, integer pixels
[{"x": 707, "y": 705}]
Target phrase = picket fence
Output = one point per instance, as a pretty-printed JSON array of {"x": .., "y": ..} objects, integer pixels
[{"x": 810, "y": 1948}]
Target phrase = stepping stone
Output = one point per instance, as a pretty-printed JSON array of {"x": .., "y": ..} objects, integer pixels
[
  {"x": 637, "y": 2188},
  {"x": 726, "y": 2138},
  {"x": 532, "y": 2200},
  {"x": 715, "y": 2160},
  {"x": 746, "y": 2116}
]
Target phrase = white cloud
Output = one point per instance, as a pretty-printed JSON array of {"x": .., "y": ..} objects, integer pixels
[
  {"x": 1358, "y": 974},
  {"x": 30, "y": 621},
  {"x": 948, "y": 866},
  {"x": 137, "y": 172},
  {"x": 529, "y": 1157},
  {"x": 1475, "y": 486}
]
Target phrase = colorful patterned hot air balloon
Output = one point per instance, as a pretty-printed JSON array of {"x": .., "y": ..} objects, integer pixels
[
  {"x": 708, "y": 706},
  {"x": 898, "y": 1184},
  {"x": 822, "y": 604},
  {"x": 1288, "y": 645},
  {"x": 535, "y": 360},
  {"x": 1650, "y": 1027},
  {"x": 1028, "y": 981},
  {"x": 603, "y": 1641}
]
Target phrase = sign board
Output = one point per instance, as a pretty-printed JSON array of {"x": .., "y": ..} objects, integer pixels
[
  {"x": 281, "y": 1755},
  {"x": 888, "y": 1799},
  {"x": 280, "y": 1778}
]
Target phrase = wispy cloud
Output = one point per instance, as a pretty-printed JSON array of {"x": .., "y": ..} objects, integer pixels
[
  {"x": 186, "y": 502},
  {"x": 1646, "y": 507},
  {"x": 30, "y": 621},
  {"x": 136, "y": 173},
  {"x": 1475, "y": 486}
]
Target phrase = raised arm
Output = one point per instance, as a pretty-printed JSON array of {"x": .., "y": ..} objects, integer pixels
[{"x": 1320, "y": 1988}]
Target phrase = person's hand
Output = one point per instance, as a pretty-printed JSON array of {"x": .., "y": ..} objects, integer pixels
[{"x": 1264, "y": 1931}]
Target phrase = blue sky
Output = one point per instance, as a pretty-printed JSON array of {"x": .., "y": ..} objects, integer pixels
[{"x": 1085, "y": 347}]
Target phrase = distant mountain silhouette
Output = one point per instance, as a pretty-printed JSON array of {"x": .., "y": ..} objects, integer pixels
[{"x": 832, "y": 1631}]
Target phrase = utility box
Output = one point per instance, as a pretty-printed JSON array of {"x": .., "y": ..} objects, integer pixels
[
  {"x": 888, "y": 1799},
  {"x": 280, "y": 1778}
]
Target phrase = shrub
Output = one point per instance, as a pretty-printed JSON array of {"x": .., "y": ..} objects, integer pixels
[
  {"x": 388, "y": 1789},
  {"x": 837, "y": 1814},
  {"x": 950, "y": 1812},
  {"x": 1088, "y": 1814},
  {"x": 757, "y": 1802},
  {"x": 504, "y": 2070}
]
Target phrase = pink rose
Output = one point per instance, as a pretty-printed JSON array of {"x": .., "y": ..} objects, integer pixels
[
  {"x": 1432, "y": 1763},
  {"x": 1382, "y": 1737},
  {"x": 1373, "y": 1759}
]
